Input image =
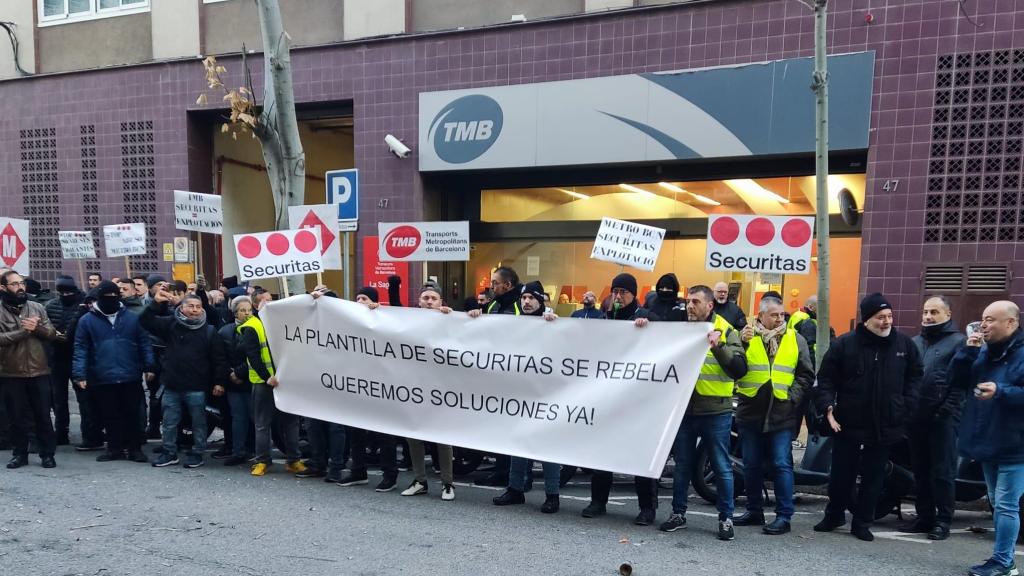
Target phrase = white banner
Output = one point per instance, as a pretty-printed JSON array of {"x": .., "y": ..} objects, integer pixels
[
  {"x": 14, "y": 245},
  {"x": 278, "y": 253},
  {"x": 75, "y": 245},
  {"x": 602, "y": 395},
  {"x": 124, "y": 239},
  {"x": 423, "y": 241},
  {"x": 773, "y": 244},
  {"x": 199, "y": 212},
  {"x": 322, "y": 219},
  {"x": 628, "y": 244}
]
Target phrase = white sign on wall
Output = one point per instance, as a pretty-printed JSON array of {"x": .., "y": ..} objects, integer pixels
[
  {"x": 124, "y": 239},
  {"x": 14, "y": 245},
  {"x": 628, "y": 244},
  {"x": 199, "y": 212},
  {"x": 278, "y": 253},
  {"x": 322, "y": 219},
  {"x": 773, "y": 244},
  {"x": 75, "y": 245},
  {"x": 423, "y": 241}
]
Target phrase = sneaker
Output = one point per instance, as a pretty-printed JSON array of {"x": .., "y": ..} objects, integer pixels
[
  {"x": 222, "y": 454},
  {"x": 259, "y": 469},
  {"x": 645, "y": 517},
  {"x": 993, "y": 568},
  {"x": 674, "y": 522},
  {"x": 89, "y": 447},
  {"x": 593, "y": 510},
  {"x": 777, "y": 527},
  {"x": 295, "y": 467},
  {"x": 235, "y": 460},
  {"x": 311, "y": 472},
  {"x": 193, "y": 461},
  {"x": 447, "y": 492},
  {"x": 137, "y": 455},
  {"x": 164, "y": 459},
  {"x": 415, "y": 489},
  {"x": 387, "y": 484},
  {"x": 353, "y": 479},
  {"x": 797, "y": 444},
  {"x": 550, "y": 505},
  {"x": 510, "y": 497},
  {"x": 109, "y": 456},
  {"x": 725, "y": 530}
]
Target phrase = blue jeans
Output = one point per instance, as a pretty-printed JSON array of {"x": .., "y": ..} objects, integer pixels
[
  {"x": 174, "y": 403},
  {"x": 775, "y": 447},
  {"x": 520, "y": 469},
  {"x": 1005, "y": 487},
  {"x": 714, "y": 432},
  {"x": 241, "y": 423}
]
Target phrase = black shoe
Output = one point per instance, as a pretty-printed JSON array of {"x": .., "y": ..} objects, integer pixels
[
  {"x": 235, "y": 460},
  {"x": 778, "y": 526},
  {"x": 725, "y": 530},
  {"x": 222, "y": 454},
  {"x": 311, "y": 472},
  {"x": 494, "y": 479},
  {"x": 645, "y": 517},
  {"x": 829, "y": 524},
  {"x": 916, "y": 527},
  {"x": 89, "y": 446},
  {"x": 939, "y": 532},
  {"x": 17, "y": 462},
  {"x": 862, "y": 533},
  {"x": 47, "y": 462},
  {"x": 353, "y": 479},
  {"x": 550, "y": 505},
  {"x": 109, "y": 456},
  {"x": 137, "y": 455},
  {"x": 593, "y": 510},
  {"x": 674, "y": 522},
  {"x": 749, "y": 519},
  {"x": 510, "y": 497},
  {"x": 387, "y": 484}
]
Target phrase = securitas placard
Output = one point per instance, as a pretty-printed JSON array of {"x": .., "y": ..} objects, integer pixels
[
  {"x": 628, "y": 244},
  {"x": 773, "y": 244}
]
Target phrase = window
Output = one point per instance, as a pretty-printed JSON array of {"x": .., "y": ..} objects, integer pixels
[{"x": 62, "y": 11}]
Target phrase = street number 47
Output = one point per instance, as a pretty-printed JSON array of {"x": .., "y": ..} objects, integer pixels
[{"x": 890, "y": 185}]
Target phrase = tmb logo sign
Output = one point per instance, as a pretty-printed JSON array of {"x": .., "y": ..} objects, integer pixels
[
  {"x": 466, "y": 128},
  {"x": 774, "y": 244},
  {"x": 401, "y": 242}
]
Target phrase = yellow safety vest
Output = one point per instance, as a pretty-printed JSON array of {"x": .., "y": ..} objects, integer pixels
[
  {"x": 713, "y": 381},
  {"x": 515, "y": 307},
  {"x": 268, "y": 362},
  {"x": 797, "y": 317},
  {"x": 760, "y": 370}
]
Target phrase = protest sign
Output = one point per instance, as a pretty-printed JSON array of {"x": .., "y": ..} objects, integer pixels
[
  {"x": 773, "y": 244},
  {"x": 628, "y": 244},
  {"x": 76, "y": 245},
  {"x": 277, "y": 254},
  {"x": 124, "y": 239},
  {"x": 423, "y": 241},
  {"x": 602, "y": 395},
  {"x": 199, "y": 212},
  {"x": 322, "y": 219},
  {"x": 14, "y": 244}
]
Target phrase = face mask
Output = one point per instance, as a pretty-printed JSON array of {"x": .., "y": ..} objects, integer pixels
[
  {"x": 108, "y": 304},
  {"x": 67, "y": 299}
]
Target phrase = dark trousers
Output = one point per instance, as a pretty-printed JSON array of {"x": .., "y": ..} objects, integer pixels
[
  {"x": 118, "y": 407},
  {"x": 156, "y": 413},
  {"x": 360, "y": 440},
  {"x": 933, "y": 455},
  {"x": 224, "y": 407},
  {"x": 28, "y": 404},
  {"x": 326, "y": 446},
  {"x": 646, "y": 489},
  {"x": 60, "y": 376},
  {"x": 850, "y": 458},
  {"x": 91, "y": 423}
]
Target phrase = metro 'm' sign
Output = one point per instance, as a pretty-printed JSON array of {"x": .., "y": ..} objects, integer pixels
[
  {"x": 14, "y": 244},
  {"x": 773, "y": 244}
]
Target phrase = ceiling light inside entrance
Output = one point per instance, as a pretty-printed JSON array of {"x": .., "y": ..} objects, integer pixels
[
  {"x": 751, "y": 187},
  {"x": 574, "y": 194},
  {"x": 632, "y": 188},
  {"x": 699, "y": 198}
]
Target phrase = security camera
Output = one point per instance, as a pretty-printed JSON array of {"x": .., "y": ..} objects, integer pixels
[{"x": 397, "y": 147}]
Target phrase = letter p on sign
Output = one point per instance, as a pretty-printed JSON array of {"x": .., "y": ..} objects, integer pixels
[{"x": 343, "y": 190}]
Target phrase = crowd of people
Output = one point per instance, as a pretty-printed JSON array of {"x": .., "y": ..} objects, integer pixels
[{"x": 147, "y": 359}]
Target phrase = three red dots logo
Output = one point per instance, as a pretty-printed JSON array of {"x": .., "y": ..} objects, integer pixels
[
  {"x": 277, "y": 244},
  {"x": 760, "y": 231},
  {"x": 281, "y": 253}
]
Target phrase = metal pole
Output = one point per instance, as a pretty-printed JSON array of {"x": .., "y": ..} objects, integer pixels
[
  {"x": 820, "y": 87},
  {"x": 345, "y": 266}
]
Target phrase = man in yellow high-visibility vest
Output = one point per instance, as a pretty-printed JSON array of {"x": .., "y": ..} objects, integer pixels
[{"x": 779, "y": 375}]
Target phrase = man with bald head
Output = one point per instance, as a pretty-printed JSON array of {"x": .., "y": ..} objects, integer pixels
[
  {"x": 590, "y": 309},
  {"x": 992, "y": 363},
  {"x": 728, "y": 309}
]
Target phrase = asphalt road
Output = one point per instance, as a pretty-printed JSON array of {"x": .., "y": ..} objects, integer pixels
[{"x": 124, "y": 518}]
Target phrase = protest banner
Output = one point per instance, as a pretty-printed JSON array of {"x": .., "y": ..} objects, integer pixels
[
  {"x": 601, "y": 395},
  {"x": 277, "y": 254},
  {"x": 198, "y": 212},
  {"x": 628, "y": 244},
  {"x": 125, "y": 240},
  {"x": 423, "y": 241},
  {"x": 14, "y": 251},
  {"x": 76, "y": 245},
  {"x": 772, "y": 244},
  {"x": 322, "y": 219}
]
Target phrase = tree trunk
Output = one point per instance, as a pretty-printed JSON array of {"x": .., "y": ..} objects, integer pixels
[{"x": 278, "y": 129}]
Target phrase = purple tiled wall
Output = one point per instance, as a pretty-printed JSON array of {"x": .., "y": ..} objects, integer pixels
[{"x": 383, "y": 79}]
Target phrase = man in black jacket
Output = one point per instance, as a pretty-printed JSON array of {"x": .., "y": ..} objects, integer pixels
[
  {"x": 666, "y": 297},
  {"x": 728, "y": 309},
  {"x": 933, "y": 430},
  {"x": 867, "y": 388},
  {"x": 194, "y": 362},
  {"x": 61, "y": 311}
]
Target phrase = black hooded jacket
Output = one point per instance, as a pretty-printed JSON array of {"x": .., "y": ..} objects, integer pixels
[
  {"x": 61, "y": 316},
  {"x": 658, "y": 307},
  {"x": 939, "y": 399}
]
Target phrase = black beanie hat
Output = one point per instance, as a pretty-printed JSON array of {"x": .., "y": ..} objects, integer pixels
[
  {"x": 370, "y": 292},
  {"x": 32, "y": 286},
  {"x": 535, "y": 289},
  {"x": 872, "y": 304},
  {"x": 154, "y": 279},
  {"x": 230, "y": 282},
  {"x": 626, "y": 282},
  {"x": 66, "y": 284},
  {"x": 107, "y": 288}
]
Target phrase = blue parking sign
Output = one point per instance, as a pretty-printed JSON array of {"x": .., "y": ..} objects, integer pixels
[{"x": 343, "y": 190}]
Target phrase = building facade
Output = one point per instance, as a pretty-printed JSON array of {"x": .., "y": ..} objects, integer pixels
[{"x": 100, "y": 124}]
